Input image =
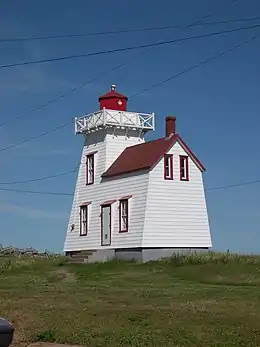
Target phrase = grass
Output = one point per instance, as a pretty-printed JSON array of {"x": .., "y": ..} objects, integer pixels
[{"x": 194, "y": 300}]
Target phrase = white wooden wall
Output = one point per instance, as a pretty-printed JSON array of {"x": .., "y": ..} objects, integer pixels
[
  {"x": 109, "y": 147},
  {"x": 176, "y": 212}
]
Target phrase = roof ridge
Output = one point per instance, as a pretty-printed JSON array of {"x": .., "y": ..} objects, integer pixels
[{"x": 145, "y": 155}]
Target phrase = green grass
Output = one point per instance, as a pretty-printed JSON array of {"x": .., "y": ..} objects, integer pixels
[{"x": 195, "y": 300}]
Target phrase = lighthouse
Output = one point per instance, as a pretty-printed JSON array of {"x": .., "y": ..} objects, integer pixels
[{"x": 134, "y": 199}]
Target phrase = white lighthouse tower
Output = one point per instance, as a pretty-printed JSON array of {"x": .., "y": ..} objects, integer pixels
[{"x": 134, "y": 199}]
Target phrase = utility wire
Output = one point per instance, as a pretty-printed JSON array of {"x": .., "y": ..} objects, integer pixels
[
  {"x": 242, "y": 184},
  {"x": 207, "y": 16},
  {"x": 197, "y": 22},
  {"x": 234, "y": 185},
  {"x": 192, "y": 67},
  {"x": 95, "y": 78},
  {"x": 36, "y": 136},
  {"x": 123, "y": 31},
  {"x": 41, "y": 178},
  {"x": 124, "y": 49},
  {"x": 63, "y": 95},
  {"x": 34, "y": 192}
]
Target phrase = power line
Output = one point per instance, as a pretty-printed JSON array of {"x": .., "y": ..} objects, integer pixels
[
  {"x": 124, "y": 49},
  {"x": 71, "y": 194},
  {"x": 234, "y": 185},
  {"x": 36, "y": 136},
  {"x": 35, "y": 192},
  {"x": 82, "y": 85},
  {"x": 192, "y": 67},
  {"x": 95, "y": 78},
  {"x": 41, "y": 178},
  {"x": 123, "y": 31},
  {"x": 198, "y": 22}
]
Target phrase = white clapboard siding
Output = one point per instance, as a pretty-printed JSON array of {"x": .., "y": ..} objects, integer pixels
[
  {"x": 117, "y": 142},
  {"x": 176, "y": 213},
  {"x": 134, "y": 184}
]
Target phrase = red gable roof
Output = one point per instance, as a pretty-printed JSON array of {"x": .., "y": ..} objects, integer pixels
[{"x": 146, "y": 155}]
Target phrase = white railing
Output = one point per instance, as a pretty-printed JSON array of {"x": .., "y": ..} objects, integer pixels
[{"x": 107, "y": 118}]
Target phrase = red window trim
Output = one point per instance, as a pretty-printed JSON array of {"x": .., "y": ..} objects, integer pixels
[
  {"x": 85, "y": 203},
  {"x": 186, "y": 163},
  {"x": 121, "y": 201},
  {"x": 91, "y": 153},
  {"x": 171, "y": 166},
  {"x": 126, "y": 197},
  {"x": 88, "y": 155},
  {"x": 108, "y": 202},
  {"x": 80, "y": 220}
]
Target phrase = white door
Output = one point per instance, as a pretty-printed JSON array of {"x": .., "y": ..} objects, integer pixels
[{"x": 106, "y": 225}]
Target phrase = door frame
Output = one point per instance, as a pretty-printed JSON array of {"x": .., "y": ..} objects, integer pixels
[{"x": 102, "y": 229}]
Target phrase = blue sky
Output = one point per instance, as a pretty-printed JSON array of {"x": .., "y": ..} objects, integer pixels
[{"x": 217, "y": 106}]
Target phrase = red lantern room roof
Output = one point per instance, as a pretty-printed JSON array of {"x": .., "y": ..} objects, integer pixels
[
  {"x": 113, "y": 94},
  {"x": 113, "y": 100}
]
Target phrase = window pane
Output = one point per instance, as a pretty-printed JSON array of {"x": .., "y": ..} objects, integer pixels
[
  {"x": 123, "y": 215},
  {"x": 84, "y": 220},
  {"x": 124, "y": 223},
  {"x": 183, "y": 167},
  {"x": 168, "y": 166},
  {"x": 90, "y": 168}
]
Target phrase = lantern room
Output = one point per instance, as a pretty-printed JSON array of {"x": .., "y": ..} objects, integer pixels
[{"x": 113, "y": 100}]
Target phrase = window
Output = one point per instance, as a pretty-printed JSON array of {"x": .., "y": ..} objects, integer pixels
[
  {"x": 184, "y": 168},
  {"x": 123, "y": 215},
  {"x": 90, "y": 169},
  {"x": 83, "y": 220},
  {"x": 168, "y": 167}
]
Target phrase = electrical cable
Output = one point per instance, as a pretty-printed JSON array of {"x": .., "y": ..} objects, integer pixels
[
  {"x": 195, "y": 66},
  {"x": 36, "y": 136},
  {"x": 124, "y": 49},
  {"x": 41, "y": 178},
  {"x": 192, "y": 67},
  {"x": 242, "y": 184},
  {"x": 74, "y": 89},
  {"x": 34, "y": 192},
  {"x": 95, "y": 78},
  {"x": 123, "y": 31},
  {"x": 82, "y": 85}
]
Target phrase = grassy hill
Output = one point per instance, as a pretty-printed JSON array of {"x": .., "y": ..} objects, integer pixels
[{"x": 207, "y": 300}]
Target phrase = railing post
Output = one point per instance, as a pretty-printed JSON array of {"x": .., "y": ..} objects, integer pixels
[
  {"x": 104, "y": 116},
  {"x": 75, "y": 125}
]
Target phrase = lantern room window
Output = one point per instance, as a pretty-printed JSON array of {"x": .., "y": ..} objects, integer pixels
[
  {"x": 184, "y": 168},
  {"x": 168, "y": 167}
]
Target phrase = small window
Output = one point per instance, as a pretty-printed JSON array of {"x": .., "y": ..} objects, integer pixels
[
  {"x": 90, "y": 169},
  {"x": 123, "y": 215},
  {"x": 184, "y": 168},
  {"x": 168, "y": 167},
  {"x": 83, "y": 220}
]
